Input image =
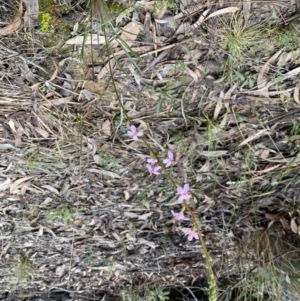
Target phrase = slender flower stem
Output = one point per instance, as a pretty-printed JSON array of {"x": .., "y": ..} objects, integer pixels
[
  {"x": 211, "y": 277},
  {"x": 205, "y": 254}
]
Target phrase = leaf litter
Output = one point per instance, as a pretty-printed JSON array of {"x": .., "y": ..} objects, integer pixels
[{"x": 87, "y": 213}]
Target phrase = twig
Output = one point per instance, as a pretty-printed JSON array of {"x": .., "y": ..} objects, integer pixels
[{"x": 121, "y": 120}]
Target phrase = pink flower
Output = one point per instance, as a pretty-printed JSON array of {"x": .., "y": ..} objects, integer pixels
[
  {"x": 191, "y": 234},
  {"x": 134, "y": 133},
  {"x": 151, "y": 161},
  {"x": 153, "y": 169},
  {"x": 169, "y": 160},
  {"x": 184, "y": 193},
  {"x": 179, "y": 216}
]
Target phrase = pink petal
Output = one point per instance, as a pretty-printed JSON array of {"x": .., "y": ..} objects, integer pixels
[
  {"x": 156, "y": 169},
  {"x": 170, "y": 156},
  {"x": 181, "y": 198},
  {"x": 186, "y": 231},
  {"x": 190, "y": 237},
  {"x": 151, "y": 161},
  {"x": 133, "y": 129},
  {"x": 167, "y": 162},
  {"x": 180, "y": 190},
  {"x": 186, "y": 188}
]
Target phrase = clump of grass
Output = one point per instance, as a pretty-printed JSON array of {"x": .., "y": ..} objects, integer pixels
[
  {"x": 237, "y": 37},
  {"x": 106, "y": 160},
  {"x": 60, "y": 214},
  {"x": 284, "y": 37},
  {"x": 151, "y": 293},
  {"x": 265, "y": 272},
  {"x": 19, "y": 277},
  {"x": 239, "y": 42}
]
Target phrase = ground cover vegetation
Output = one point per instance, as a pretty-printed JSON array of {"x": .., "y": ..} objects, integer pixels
[{"x": 149, "y": 150}]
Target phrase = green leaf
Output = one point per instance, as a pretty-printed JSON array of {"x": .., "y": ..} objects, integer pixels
[
  {"x": 239, "y": 75},
  {"x": 264, "y": 273},
  {"x": 220, "y": 80},
  {"x": 158, "y": 107}
]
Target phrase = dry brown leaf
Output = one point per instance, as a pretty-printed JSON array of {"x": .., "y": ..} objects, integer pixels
[
  {"x": 288, "y": 56},
  {"x": 227, "y": 10},
  {"x": 285, "y": 224},
  {"x": 52, "y": 93},
  {"x": 93, "y": 39},
  {"x": 267, "y": 170},
  {"x": 16, "y": 23},
  {"x": 103, "y": 172},
  {"x": 57, "y": 101},
  {"x": 289, "y": 74},
  {"x": 50, "y": 188},
  {"x": 26, "y": 73},
  {"x": 145, "y": 216},
  {"x": 229, "y": 92},
  {"x": 201, "y": 19},
  {"x": 265, "y": 154},
  {"x": 261, "y": 78},
  {"x": 255, "y": 136},
  {"x": 246, "y": 9},
  {"x": 24, "y": 187},
  {"x": 47, "y": 200},
  {"x": 106, "y": 68},
  {"x": 126, "y": 195},
  {"x": 182, "y": 28},
  {"x": 225, "y": 117},
  {"x": 294, "y": 226},
  {"x": 130, "y": 214},
  {"x": 134, "y": 72},
  {"x": 263, "y": 99},
  {"x": 218, "y": 108},
  {"x": 213, "y": 154},
  {"x": 131, "y": 31},
  {"x": 88, "y": 95},
  {"x": 6, "y": 146},
  {"x": 148, "y": 243},
  {"x": 12, "y": 126},
  {"x": 18, "y": 136},
  {"x": 5, "y": 184},
  {"x": 192, "y": 74},
  {"x": 42, "y": 132},
  {"x": 296, "y": 95},
  {"x": 206, "y": 167},
  {"x": 16, "y": 185},
  {"x": 106, "y": 127},
  {"x": 55, "y": 71},
  {"x": 275, "y": 217}
]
